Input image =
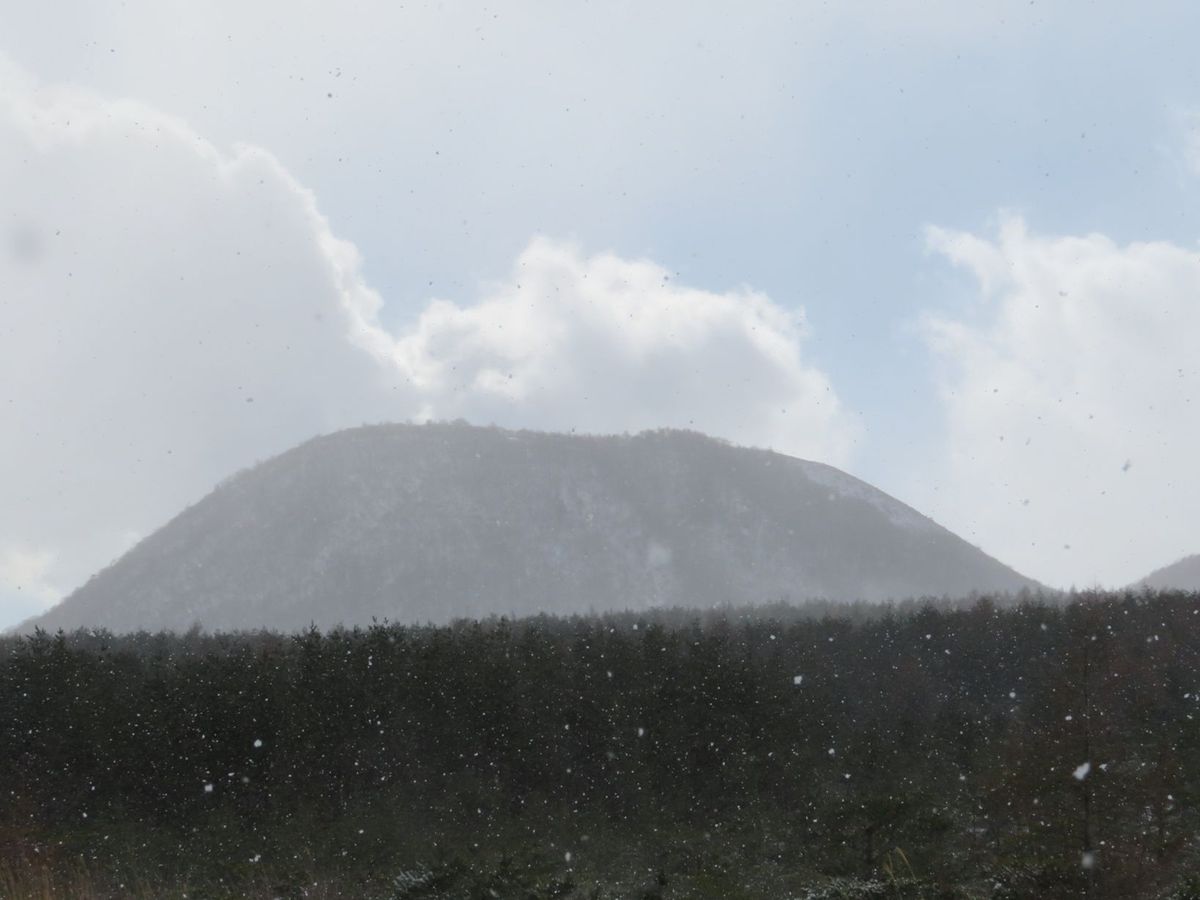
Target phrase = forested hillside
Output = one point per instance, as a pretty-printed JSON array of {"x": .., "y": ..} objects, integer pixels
[
  {"x": 981, "y": 751},
  {"x": 427, "y": 523}
]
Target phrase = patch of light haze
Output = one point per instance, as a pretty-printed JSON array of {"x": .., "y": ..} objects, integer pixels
[{"x": 848, "y": 486}]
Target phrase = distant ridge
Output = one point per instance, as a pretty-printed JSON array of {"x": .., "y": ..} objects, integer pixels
[
  {"x": 432, "y": 522},
  {"x": 1183, "y": 575}
]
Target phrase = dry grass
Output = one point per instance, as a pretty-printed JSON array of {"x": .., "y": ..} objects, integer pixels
[{"x": 26, "y": 879}]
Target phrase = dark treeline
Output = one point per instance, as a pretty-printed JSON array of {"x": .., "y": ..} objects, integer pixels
[{"x": 982, "y": 750}]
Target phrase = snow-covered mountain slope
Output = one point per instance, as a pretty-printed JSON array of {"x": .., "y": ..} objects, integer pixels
[
  {"x": 431, "y": 522},
  {"x": 1183, "y": 575}
]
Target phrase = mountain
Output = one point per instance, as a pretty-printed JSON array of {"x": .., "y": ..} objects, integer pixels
[
  {"x": 1183, "y": 575},
  {"x": 431, "y": 522}
]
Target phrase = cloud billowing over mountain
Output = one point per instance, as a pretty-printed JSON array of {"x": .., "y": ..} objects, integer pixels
[{"x": 175, "y": 311}]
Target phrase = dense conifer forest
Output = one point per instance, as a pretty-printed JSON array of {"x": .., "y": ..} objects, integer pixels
[{"x": 1001, "y": 749}]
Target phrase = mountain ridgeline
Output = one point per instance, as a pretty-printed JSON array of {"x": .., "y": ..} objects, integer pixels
[
  {"x": 415, "y": 523},
  {"x": 1183, "y": 575}
]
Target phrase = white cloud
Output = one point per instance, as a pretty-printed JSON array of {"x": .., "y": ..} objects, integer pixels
[
  {"x": 173, "y": 312},
  {"x": 170, "y": 313},
  {"x": 1072, "y": 402},
  {"x": 604, "y": 344}
]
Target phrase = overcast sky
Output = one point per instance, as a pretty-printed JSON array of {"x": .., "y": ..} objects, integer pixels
[{"x": 950, "y": 247}]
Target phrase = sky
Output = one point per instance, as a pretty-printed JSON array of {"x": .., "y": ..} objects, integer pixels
[{"x": 950, "y": 248}]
